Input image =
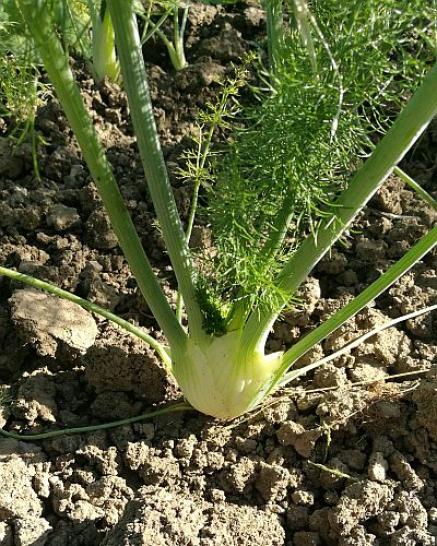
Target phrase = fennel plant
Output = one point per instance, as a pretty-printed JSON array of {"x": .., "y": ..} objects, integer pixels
[
  {"x": 104, "y": 57},
  {"x": 155, "y": 14},
  {"x": 316, "y": 169}
]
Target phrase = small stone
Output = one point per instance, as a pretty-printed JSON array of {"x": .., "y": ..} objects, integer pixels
[
  {"x": 302, "y": 497},
  {"x": 329, "y": 376},
  {"x": 378, "y": 466},
  {"x": 60, "y": 217},
  {"x": 98, "y": 231},
  {"x": 294, "y": 434},
  {"x": 272, "y": 482},
  {"x": 45, "y": 321}
]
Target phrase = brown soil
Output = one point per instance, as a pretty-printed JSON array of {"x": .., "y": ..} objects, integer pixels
[{"x": 347, "y": 465}]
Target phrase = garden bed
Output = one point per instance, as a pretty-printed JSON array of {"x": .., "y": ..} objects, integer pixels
[{"x": 351, "y": 462}]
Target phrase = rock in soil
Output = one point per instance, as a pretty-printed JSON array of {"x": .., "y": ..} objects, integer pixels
[{"x": 45, "y": 322}]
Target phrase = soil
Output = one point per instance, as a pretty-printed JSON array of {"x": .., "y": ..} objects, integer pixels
[{"x": 326, "y": 462}]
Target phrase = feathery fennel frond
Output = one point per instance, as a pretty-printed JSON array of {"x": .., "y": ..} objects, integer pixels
[{"x": 297, "y": 149}]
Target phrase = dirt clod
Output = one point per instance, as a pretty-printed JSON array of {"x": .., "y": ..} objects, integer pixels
[
  {"x": 120, "y": 362},
  {"x": 17, "y": 497},
  {"x": 359, "y": 502},
  {"x": 46, "y": 322},
  {"x": 160, "y": 517},
  {"x": 31, "y": 532}
]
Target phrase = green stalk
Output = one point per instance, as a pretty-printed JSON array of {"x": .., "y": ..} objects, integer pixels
[
  {"x": 147, "y": 34},
  {"x": 407, "y": 128},
  {"x": 303, "y": 23},
  {"x": 416, "y": 187},
  {"x": 147, "y": 18},
  {"x": 175, "y": 49},
  {"x": 176, "y": 54},
  {"x": 178, "y": 37},
  {"x": 424, "y": 245},
  {"x": 201, "y": 161},
  {"x": 134, "y": 77},
  {"x": 279, "y": 228},
  {"x": 181, "y": 406},
  {"x": 105, "y": 62},
  {"x": 355, "y": 343},
  {"x": 91, "y": 307},
  {"x": 36, "y": 15},
  {"x": 275, "y": 31}
]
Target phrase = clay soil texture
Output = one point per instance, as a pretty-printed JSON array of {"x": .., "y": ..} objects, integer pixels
[{"x": 348, "y": 456}]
